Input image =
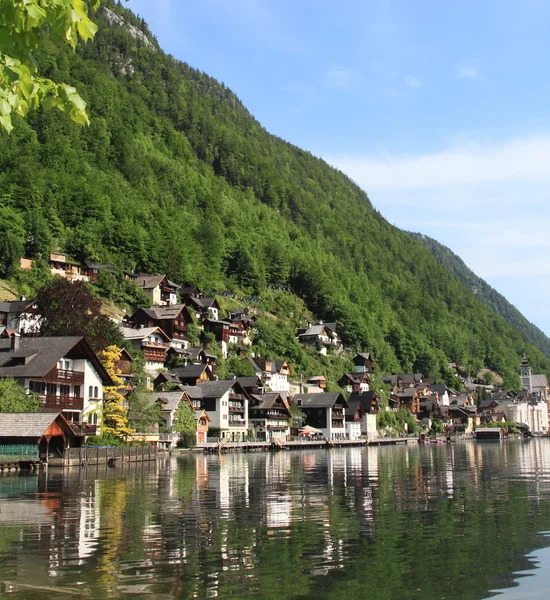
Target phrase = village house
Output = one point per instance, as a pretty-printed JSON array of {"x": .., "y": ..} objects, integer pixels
[
  {"x": 322, "y": 335},
  {"x": 19, "y": 316},
  {"x": 226, "y": 403},
  {"x": 225, "y": 333},
  {"x": 354, "y": 382},
  {"x": 273, "y": 373},
  {"x": 203, "y": 308},
  {"x": 64, "y": 371},
  {"x": 364, "y": 363},
  {"x": 157, "y": 288},
  {"x": 93, "y": 269},
  {"x": 168, "y": 403},
  {"x": 193, "y": 374},
  {"x": 354, "y": 417},
  {"x": 63, "y": 266},
  {"x": 269, "y": 416},
  {"x": 531, "y": 412},
  {"x": 172, "y": 319},
  {"x": 324, "y": 412},
  {"x": 370, "y": 406},
  {"x": 406, "y": 398},
  {"x": 154, "y": 343}
]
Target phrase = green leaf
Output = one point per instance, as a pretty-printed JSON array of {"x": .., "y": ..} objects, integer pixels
[{"x": 5, "y": 122}]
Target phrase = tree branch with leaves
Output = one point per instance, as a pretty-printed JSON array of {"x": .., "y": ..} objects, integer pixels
[{"x": 25, "y": 25}]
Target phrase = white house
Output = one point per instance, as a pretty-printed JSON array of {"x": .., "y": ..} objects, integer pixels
[
  {"x": 324, "y": 412},
  {"x": 226, "y": 403},
  {"x": 154, "y": 343},
  {"x": 64, "y": 371}
]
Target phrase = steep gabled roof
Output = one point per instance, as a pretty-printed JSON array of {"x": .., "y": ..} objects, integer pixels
[
  {"x": 169, "y": 400},
  {"x": 43, "y": 353},
  {"x": 325, "y": 400},
  {"x": 29, "y": 425},
  {"x": 129, "y": 333}
]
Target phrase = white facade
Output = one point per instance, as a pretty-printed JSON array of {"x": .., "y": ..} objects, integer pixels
[
  {"x": 534, "y": 415},
  {"x": 93, "y": 391},
  {"x": 234, "y": 426},
  {"x": 353, "y": 430},
  {"x": 368, "y": 425}
]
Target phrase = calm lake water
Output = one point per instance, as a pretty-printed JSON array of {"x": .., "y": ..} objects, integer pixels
[{"x": 464, "y": 521}]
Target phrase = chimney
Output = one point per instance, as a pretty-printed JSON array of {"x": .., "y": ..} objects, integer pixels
[{"x": 15, "y": 341}]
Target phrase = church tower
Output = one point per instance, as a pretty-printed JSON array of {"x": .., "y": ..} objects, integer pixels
[{"x": 525, "y": 374}]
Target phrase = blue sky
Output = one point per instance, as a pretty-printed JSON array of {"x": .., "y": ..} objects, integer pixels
[{"x": 439, "y": 110}]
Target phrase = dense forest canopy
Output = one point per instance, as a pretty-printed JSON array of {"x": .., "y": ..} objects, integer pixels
[
  {"x": 174, "y": 176},
  {"x": 485, "y": 292}
]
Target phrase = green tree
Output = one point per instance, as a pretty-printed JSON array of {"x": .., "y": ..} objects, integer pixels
[
  {"x": 69, "y": 308},
  {"x": 143, "y": 414},
  {"x": 25, "y": 25},
  {"x": 13, "y": 398},
  {"x": 184, "y": 425}
]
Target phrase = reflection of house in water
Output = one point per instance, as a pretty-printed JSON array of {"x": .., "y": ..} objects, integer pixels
[
  {"x": 231, "y": 483},
  {"x": 277, "y": 482},
  {"x": 89, "y": 522}
]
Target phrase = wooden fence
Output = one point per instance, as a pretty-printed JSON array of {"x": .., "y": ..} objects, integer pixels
[{"x": 90, "y": 455}]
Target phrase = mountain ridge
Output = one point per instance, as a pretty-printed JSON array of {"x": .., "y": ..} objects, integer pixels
[{"x": 485, "y": 292}]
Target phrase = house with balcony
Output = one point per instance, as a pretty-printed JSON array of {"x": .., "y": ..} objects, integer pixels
[
  {"x": 154, "y": 343},
  {"x": 172, "y": 319},
  {"x": 322, "y": 335},
  {"x": 273, "y": 373},
  {"x": 226, "y": 333},
  {"x": 19, "y": 316},
  {"x": 325, "y": 412},
  {"x": 354, "y": 382},
  {"x": 269, "y": 416},
  {"x": 226, "y": 403},
  {"x": 157, "y": 288},
  {"x": 64, "y": 371},
  {"x": 363, "y": 363},
  {"x": 63, "y": 266}
]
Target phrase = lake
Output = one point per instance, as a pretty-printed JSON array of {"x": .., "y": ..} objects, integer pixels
[{"x": 460, "y": 521}]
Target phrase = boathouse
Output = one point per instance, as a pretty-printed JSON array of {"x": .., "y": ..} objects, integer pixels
[
  {"x": 489, "y": 433},
  {"x": 35, "y": 435}
]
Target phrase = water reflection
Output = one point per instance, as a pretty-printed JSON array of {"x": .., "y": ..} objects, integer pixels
[{"x": 450, "y": 521}]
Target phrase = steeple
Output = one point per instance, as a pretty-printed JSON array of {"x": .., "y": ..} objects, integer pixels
[{"x": 525, "y": 374}]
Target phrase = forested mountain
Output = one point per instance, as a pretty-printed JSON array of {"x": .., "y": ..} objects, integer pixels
[
  {"x": 485, "y": 292},
  {"x": 175, "y": 176}
]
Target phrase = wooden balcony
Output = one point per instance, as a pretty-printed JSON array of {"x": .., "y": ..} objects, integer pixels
[
  {"x": 236, "y": 409},
  {"x": 83, "y": 430},
  {"x": 63, "y": 402},
  {"x": 65, "y": 376}
]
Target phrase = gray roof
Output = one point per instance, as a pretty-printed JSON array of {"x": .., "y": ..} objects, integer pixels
[
  {"x": 190, "y": 371},
  {"x": 170, "y": 400},
  {"x": 327, "y": 399},
  {"x": 210, "y": 389},
  {"x": 18, "y": 306},
  {"x": 139, "y": 334},
  {"x": 149, "y": 281},
  {"x": 265, "y": 400},
  {"x": 24, "y": 424},
  {"x": 314, "y": 330},
  {"x": 165, "y": 312},
  {"x": 42, "y": 354},
  {"x": 539, "y": 381},
  {"x": 438, "y": 388}
]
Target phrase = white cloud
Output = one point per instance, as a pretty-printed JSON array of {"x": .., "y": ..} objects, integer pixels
[
  {"x": 517, "y": 159},
  {"x": 468, "y": 72},
  {"x": 412, "y": 82}
]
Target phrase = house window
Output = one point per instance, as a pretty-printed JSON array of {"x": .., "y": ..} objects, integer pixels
[
  {"x": 91, "y": 391},
  {"x": 96, "y": 392}
]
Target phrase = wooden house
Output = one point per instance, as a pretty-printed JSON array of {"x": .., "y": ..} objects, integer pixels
[{"x": 269, "y": 416}]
